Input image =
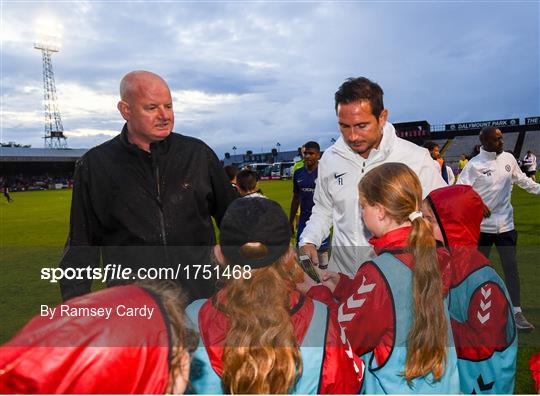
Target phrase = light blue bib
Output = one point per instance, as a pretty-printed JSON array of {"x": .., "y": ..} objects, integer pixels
[
  {"x": 388, "y": 378},
  {"x": 204, "y": 380},
  {"x": 497, "y": 373}
]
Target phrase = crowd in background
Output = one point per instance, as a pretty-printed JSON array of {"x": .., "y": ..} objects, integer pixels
[{"x": 36, "y": 182}]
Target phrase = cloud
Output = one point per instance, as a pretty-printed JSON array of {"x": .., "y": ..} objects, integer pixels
[
  {"x": 190, "y": 99},
  {"x": 250, "y": 74},
  {"x": 83, "y": 132},
  {"x": 79, "y": 101}
]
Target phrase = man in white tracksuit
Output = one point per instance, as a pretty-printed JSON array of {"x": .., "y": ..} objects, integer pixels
[
  {"x": 529, "y": 164},
  {"x": 492, "y": 174},
  {"x": 367, "y": 141}
]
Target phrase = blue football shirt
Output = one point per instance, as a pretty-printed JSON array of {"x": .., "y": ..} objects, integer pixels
[{"x": 304, "y": 185}]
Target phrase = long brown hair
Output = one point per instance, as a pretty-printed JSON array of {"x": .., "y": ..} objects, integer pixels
[
  {"x": 397, "y": 188},
  {"x": 183, "y": 339},
  {"x": 261, "y": 353}
]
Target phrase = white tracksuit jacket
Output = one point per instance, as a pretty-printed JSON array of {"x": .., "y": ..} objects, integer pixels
[
  {"x": 492, "y": 177},
  {"x": 530, "y": 163},
  {"x": 336, "y": 195}
]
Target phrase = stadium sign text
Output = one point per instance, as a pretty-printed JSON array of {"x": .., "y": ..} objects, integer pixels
[
  {"x": 532, "y": 121},
  {"x": 481, "y": 124},
  {"x": 413, "y": 129}
]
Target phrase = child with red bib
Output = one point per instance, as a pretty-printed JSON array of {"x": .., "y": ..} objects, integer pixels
[
  {"x": 480, "y": 310},
  {"x": 258, "y": 334},
  {"x": 392, "y": 313},
  {"x": 83, "y": 350}
]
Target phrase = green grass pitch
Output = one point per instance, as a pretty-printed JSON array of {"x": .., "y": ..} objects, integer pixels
[{"x": 34, "y": 227}]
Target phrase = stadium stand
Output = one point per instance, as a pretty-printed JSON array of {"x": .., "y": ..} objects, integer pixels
[
  {"x": 466, "y": 144},
  {"x": 23, "y": 168},
  {"x": 510, "y": 140},
  {"x": 458, "y": 145}
]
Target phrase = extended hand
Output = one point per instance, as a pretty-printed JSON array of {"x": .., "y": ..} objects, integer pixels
[
  {"x": 311, "y": 251},
  {"x": 329, "y": 279}
]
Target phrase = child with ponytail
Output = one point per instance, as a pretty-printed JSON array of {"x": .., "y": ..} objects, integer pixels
[
  {"x": 258, "y": 334},
  {"x": 393, "y": 314}
]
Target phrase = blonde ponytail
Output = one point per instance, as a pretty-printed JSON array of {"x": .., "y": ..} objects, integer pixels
[
  {"x": 397, "y": 188},
  {"x": 428, "y": 334}
]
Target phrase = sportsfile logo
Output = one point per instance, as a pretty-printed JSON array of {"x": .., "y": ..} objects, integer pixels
[
  {"x": 110, "y": 272},
  {"x": 124, "y": 273}
]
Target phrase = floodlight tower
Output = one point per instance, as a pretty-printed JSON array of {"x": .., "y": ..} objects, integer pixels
[{"x": 54, "y": 130}]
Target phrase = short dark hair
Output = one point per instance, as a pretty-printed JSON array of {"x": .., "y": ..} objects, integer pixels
[
  {"x": 312, "y": 145},
  {"x": 359, "y": 89},
  {"x": 430, "y": 145},
  {"x": 487, "y": 130},
  {"x": 231, "y": 171},
  {"x": 246, "y": 180}
]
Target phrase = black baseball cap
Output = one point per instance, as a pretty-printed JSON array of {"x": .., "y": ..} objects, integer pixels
[{"x": 254, "y": 232}]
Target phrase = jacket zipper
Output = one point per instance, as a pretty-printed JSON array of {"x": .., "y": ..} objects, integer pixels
[{"x": 158, "y": 198}]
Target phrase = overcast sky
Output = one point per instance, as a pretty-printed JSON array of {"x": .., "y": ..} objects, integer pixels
[{"x": 251, "y": 74}]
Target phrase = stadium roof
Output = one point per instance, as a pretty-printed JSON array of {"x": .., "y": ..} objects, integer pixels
[{"x": 26, "y": 154}]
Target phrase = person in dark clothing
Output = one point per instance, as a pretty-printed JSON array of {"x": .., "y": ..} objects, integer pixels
[
  {"x": 247, "y": 184},
  {"x": 4, "y": 182},
  {"x": 145, "y": 198},
  {"x": 433, "y": 149},
  {"x": 304, "y": 180},
  {"x": 231, "y": 172},
  {"x": 7, "y": 195}
]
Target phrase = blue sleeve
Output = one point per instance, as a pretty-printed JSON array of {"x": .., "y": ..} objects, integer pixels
[{"x": 296, "y": 187}]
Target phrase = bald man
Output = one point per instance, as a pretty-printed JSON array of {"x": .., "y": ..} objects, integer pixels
[{"x": 143, "y": 201}]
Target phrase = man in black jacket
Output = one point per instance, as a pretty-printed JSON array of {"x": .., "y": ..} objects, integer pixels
[{"x": 145, "y": 198}]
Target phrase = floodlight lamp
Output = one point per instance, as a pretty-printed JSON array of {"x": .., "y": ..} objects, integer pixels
[
  {"x": 48, "y": 34},
  {"x": 47, "y": 46}
]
